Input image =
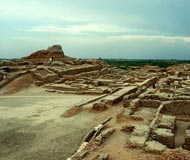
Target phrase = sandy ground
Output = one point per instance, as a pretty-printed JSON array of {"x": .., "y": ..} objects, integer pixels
[
  {"x": 147, "y": 114},
  {"x": 32, "y": 128}
]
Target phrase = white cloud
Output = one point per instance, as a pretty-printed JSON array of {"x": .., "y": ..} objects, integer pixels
[
  {"x": 167, "y": 39},
  {"x": 77, "y": 29},
  {"x": 110, "y": 29}
]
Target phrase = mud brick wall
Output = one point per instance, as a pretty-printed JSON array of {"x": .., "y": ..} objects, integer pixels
[
  {"x": 168, "y": 141},
  {"x": 74, "y": 71},
  {"x": 156, "y": 97},
  {"x": 126, "y": 103},
  {"x": 1, "y": 77},
  {"x": 149, "y": 103},
  {"x": 149, "y": 82},
  {"x": 166, "y": 90},
  {"x": 178, "y": 107},
  {"x": 187, "y": 142},
  {"x": 50, "y": 78},
  {"x": 134, "y": 104},
  {"x": 172, "y": 127}
]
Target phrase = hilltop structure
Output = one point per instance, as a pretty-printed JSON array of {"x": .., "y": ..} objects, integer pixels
[{"x": 54, "y": 51}]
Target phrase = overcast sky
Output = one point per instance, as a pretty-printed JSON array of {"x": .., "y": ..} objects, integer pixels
[{"x": 96, "y": 28}]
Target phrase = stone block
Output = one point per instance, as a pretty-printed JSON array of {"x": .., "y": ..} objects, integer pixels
[
  {"x": 168, "y": 122},
  {"x": 141, "y": 130},
  {"x": 136, "y": 141}
]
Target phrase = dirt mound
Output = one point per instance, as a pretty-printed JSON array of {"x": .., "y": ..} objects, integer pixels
[
  {"x": 54, "y": 51},
  {"x": 71, "y": 112},
  {"x": 19, "y": 84},
  {"x": 99, "y": 106}
]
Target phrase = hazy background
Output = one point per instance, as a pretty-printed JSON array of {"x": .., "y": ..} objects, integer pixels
[{"x": 101, "y": 28}]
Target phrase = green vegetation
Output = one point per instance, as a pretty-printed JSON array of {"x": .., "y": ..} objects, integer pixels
[{"x": 125, "y": 63}]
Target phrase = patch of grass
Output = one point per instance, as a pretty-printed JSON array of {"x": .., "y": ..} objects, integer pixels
[{"x": 125, "y": 63}]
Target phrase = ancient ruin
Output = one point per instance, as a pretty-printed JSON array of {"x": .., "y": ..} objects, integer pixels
[{"x": 130, "y": 114}]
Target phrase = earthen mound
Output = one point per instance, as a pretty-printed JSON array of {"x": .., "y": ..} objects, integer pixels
[
  {"x": 54, "y": 51},
  {"x": 71, "y": 112},
  {"x": 19, "y": 84}
]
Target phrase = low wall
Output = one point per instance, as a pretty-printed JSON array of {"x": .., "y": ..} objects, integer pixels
[
  {"x": 50, "y": 78},
  {"x": 156, "y": 97},
  {"x": 178, "y": 107},
  {"x": 149, "y": 82},
  {"x": 149, "y": 103},
  {"x": 169, "y": 141},
  {"x": 118, "y": 96},
  {"x": 74, "y": 71}
]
